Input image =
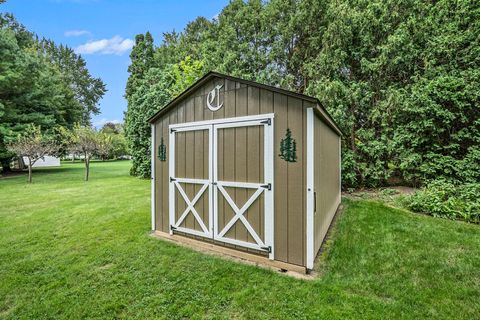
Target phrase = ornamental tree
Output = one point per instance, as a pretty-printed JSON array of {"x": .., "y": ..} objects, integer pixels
[
  {"x": 84, "y": 141},
  {"x": 33, "y": 145}
]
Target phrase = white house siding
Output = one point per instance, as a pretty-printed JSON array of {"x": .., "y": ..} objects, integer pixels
[{"x": 47, "y": 161}]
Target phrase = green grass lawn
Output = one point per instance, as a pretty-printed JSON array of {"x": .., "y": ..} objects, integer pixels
[{"x": 71, "y": 249}]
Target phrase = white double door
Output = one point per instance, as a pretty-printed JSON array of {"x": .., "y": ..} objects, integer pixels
[{"x": 221, "y": 180}]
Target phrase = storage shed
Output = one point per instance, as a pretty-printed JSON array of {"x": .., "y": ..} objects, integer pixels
[{"x": 247, "y": 166}]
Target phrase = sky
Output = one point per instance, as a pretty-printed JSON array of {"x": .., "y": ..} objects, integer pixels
[{"x": 103, "y": 32}]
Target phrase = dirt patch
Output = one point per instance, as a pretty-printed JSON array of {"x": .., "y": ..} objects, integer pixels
[
  {"x": 384, "y": 194},
  {"x": 12, "y": 174},
  {"x": 404, "y": 190}
]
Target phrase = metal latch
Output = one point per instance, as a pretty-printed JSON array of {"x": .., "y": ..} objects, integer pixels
[
  {"x": 267, "y": 186},
  {"x": 268, "y": 249},
  {"x": 268, "y": 121}
]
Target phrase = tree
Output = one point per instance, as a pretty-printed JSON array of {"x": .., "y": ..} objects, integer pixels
[
  {"x": 33, "y": 145},
  {"x": 111, "y": 128},
  {"x": 87, "y": 90},
  {"x": 158, "y": 88},
  {"x": 137, "y": 130},
  {"x": 31, "y": 92},
  {"x": 104, "y": 146},
  {"x": 45, "y": 87},
  {"x": 84, "y": 141},
  {"x": 114, "y": 135},
  {"x": 400, "y": 78}
]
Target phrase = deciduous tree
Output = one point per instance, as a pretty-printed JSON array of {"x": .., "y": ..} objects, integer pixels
[
  {"x": 33, "y": 145},
  {"x": 84, "y": 141}
]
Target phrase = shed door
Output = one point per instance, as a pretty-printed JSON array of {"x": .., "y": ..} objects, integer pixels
[
  {"x": 190, "y": 180},
  {"x": 243, "y": 188},
  {"x": 221, "y": 181}
]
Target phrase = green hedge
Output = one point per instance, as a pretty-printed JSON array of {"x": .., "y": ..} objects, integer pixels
[{"x": 447, "y": 200}]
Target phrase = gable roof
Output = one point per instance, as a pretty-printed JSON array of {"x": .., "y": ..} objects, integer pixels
[{"x": 321, "y": 111}]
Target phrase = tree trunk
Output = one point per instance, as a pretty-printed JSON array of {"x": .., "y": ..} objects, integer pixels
[
  {"x": 87, "y": 167},
  {"x": 29, "y": 170}
]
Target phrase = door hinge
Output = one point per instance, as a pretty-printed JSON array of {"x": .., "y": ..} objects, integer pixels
[
  {"x": 268, "y": 121},
  {"x": 214, "y": 183},
  {"x": 172, "y": 179},
  {"x": 267, "y": 186},
  {"x": 268, "y": 249},
  {"x": 172, "y": 130},
  {"x": 173, "y": 228}
]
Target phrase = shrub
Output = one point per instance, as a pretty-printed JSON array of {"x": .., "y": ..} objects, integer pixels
[{"x": 447, "y": 200}]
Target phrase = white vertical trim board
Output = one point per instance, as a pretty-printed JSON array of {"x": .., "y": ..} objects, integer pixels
[
  {"x": 152, "y": 175},
  {"x": 310, "y": 188},
  {"x": 269, "y": 163},
  {"x": 171, "y": 186},
  {"x": 211, "y": 177}
]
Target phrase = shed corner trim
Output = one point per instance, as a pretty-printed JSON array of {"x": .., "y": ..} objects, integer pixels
[{"x": 310, "y": 189}]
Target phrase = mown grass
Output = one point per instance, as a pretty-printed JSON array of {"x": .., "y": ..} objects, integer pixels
[{"x": 71, "y": 249}]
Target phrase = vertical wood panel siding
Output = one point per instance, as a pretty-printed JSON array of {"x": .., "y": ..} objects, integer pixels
[
  {"x": 235, "y": 163},
  {"x": 326, "y": 179}
]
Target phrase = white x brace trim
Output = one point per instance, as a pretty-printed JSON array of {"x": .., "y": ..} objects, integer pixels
[
  {"x": 191, "y": 206},
  {"x": 239, "y": 213}
]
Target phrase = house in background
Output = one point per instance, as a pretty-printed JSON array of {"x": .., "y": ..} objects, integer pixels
[{"x": 47, "y": 161}]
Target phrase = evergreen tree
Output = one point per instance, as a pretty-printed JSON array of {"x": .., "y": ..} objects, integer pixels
[
  {"x": 137, "y": 130},
  {"x": 400, "y": 78}
]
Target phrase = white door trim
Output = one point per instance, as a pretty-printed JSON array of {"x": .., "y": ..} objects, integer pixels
[
  {"x": 310, "y": 188},
  {"x": 215, "y": 186},
  {"x": 225, "y": 121}
]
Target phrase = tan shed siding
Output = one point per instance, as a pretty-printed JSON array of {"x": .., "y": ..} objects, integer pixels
[
  {"x": 289, "y": 177},
  {"x": 158, "y": 165},
  {"x": 296, "y": 184},
  {"x": 326, "y": 179}
]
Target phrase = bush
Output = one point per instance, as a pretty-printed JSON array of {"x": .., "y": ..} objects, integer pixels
[{"x": 447, "y": 200}]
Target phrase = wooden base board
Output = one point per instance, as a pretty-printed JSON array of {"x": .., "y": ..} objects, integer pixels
[{"x": 232, "y": 254}]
